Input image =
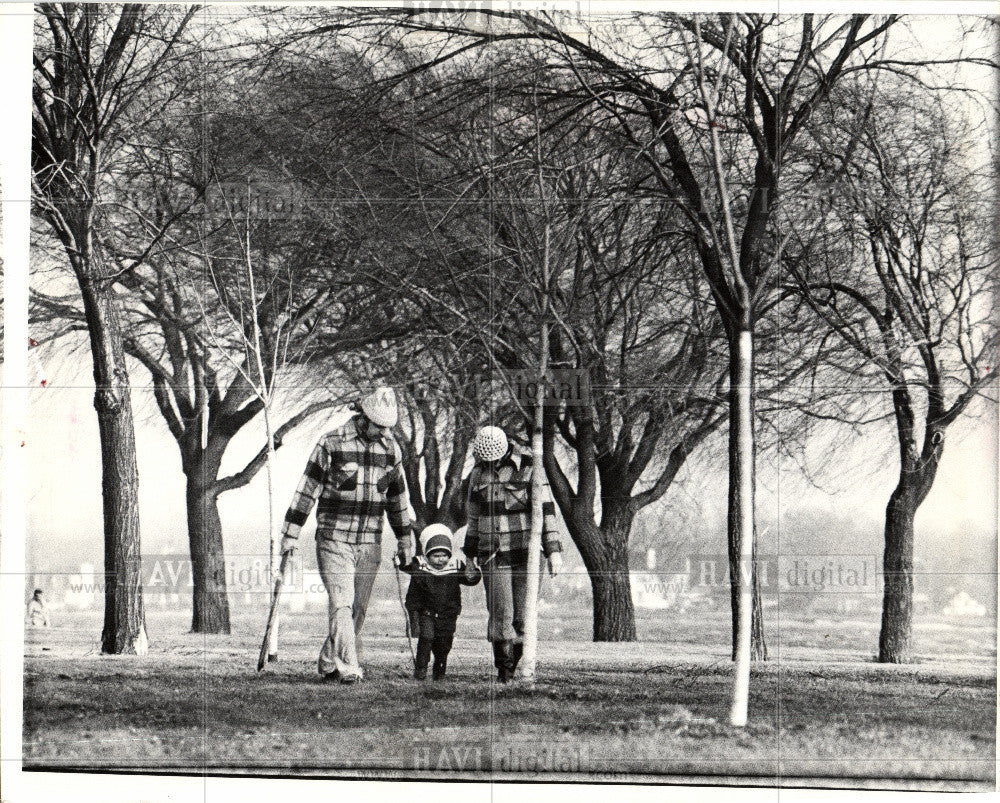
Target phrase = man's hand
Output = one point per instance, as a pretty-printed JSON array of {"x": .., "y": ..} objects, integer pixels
[
  {"x": 555, "y": 564},
  {"x": 288, "y": 545}
]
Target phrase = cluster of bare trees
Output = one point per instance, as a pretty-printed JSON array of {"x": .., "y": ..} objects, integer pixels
[
  {"x": 140, "y": 187},
  {"x": 651, "y": 201}
]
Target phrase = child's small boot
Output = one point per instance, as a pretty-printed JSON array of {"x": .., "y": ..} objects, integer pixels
[
  {"x": 444, "y": 634},
  {"x": 423, "y": 658}
]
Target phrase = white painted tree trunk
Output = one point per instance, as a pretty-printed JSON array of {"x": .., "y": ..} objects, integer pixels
[
  {"x": 265, "y": 392},
  {"x": 743, "y": 399},
  {"x": 529, "y": 659}
]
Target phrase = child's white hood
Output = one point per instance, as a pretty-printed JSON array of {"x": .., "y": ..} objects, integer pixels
[{"x": 455, "y": 564}]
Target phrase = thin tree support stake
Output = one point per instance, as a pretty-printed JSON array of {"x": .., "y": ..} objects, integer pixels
[{"x": 272, "y": 617}]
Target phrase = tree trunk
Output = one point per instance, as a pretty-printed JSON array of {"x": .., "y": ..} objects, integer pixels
[
  {"x": 210, "y": 604},
  {"x": 449, "y": 517},
  {"x": 604, "y": 550},
  {"x": 124, "y": 617},
  {"x": 604, "y": 547},
  {"x": 614, "y": 615},
  {"x": 741, "y": 512},
  {"x": 917, "y": 471},
  {"x": 758, "y": 644},
  {"x": 895, "y": 642}
]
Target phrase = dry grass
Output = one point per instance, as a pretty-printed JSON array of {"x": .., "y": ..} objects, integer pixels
[{"x": 827, "y": 714}]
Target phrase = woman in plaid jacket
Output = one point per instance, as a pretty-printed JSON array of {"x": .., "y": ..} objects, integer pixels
[{"x": 498, "y": 534}]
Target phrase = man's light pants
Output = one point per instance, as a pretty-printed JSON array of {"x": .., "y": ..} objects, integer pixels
[{"x": 348, "y": 572}]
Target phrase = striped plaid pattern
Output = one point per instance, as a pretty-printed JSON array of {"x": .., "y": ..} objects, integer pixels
[
  {"x": 500, "y": 512},
  {"x": 355, "y": 480}
]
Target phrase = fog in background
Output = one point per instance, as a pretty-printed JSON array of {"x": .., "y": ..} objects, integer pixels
[{"x": 64, "y": 509}]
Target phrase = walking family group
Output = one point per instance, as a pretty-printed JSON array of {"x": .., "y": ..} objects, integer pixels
[{"x": 354, "y": 478}]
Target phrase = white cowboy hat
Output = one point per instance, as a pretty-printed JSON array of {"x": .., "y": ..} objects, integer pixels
[{"x": 379, "y": 407}]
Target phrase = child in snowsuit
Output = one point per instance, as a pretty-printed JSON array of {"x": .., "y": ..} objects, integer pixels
[
  {"x": 434, "y": 598},
  {"x": 37, "y": 614}
]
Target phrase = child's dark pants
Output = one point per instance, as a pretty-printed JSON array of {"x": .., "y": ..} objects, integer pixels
[{"x": 435, "y": 633}]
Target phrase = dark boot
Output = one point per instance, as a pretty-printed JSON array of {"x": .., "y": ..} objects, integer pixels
[
  {"x": 517, "y": 650},
  {"x": 440, "y": 667},
  {"x": 502, "y": 659}
]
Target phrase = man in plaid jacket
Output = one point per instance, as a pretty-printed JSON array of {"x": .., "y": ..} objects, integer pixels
[
  {"x": 354, "y": 476},
  {"x": 497, "y": 536}
]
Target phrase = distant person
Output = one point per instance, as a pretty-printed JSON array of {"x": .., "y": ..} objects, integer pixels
[
  {"x": 434, "y": 598},
  {"x": 498, "y": 534},
  {"x": 355, "y": 474},
  {"x": 37, "y": 614}
]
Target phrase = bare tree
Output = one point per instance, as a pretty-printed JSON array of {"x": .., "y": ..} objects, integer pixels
[
  {"x": 179, "y": 265},
  {"x": 912, "y": 212},
  {"x": 673, "y": 84},
  {"x": 262, "y": 309},
  {"x": 92, "y": 65},
  {"x": 713, "y": 108},
  {"x": 621, "y": 295},
  {"x": 439, "y": 395}
]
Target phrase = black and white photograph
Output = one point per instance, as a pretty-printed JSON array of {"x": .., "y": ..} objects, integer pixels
[{"x": 594, "y": 394}]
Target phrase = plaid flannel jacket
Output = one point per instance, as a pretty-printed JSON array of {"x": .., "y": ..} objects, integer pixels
[
  {"x": 500, "y": 512},
  {"x": 355, "y": 480}
]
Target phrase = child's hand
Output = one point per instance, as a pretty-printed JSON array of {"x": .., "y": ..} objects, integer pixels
[{"x": 406, "y": 549}]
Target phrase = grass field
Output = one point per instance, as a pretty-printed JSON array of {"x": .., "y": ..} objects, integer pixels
[{"x": 822, "y": 712}]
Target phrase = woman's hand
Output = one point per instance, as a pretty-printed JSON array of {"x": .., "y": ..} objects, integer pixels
[{"x": 555, "y": 564}]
